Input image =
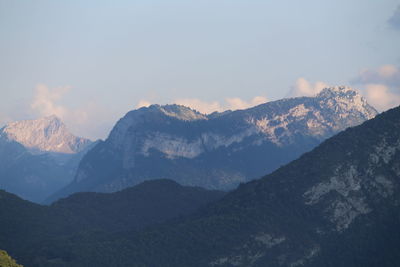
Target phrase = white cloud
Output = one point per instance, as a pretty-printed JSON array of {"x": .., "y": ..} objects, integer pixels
[
  {"x": 211, "y": 106},
  {"x": 380, "y": 96},
  {"x": 45, "y": 101},
  {"x": 199, "y": 105},
  {"x": 89, "y": 120},
  {"x": 238, "y": 103},
  {"x": 305, "y": 88},
  {"x": 143, "y": 103},
  {"x": 380, "y": 86},
  {"x": 386, "y": 74},
  {"x": 233, "y": 103}
]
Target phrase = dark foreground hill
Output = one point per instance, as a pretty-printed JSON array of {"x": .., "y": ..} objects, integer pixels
[
  {"x": 148, "y": 203},
  {"x": 338, "y": 205},
  {"x": 25, "y": 226}
]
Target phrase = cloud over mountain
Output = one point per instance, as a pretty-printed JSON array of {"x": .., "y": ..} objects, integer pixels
[
  {"x": 89, "y": 120},
  {"x": 207, "y": 107},
  {"x": 388, "y": 75},
  {"x": 381, "y": 86},
  {"x": 45, "y": 101},
  {"x": 303, "y": 87}
]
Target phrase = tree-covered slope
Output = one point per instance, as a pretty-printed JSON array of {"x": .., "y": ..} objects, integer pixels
[
  {"x": 28, "y": 230},
  {"x": 7, "y": 261},
  {"x": 338, "y": 205},
  {"x": 148, "y": 203}
]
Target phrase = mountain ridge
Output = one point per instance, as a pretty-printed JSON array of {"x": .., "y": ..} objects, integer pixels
[
  {"x": 38, "y": 157},
  {"x": 25, "y": 225},
  {"x": 47, "y": 134},
  {"x": 215, "y": 152},
  {"x": 337, "y": 205}
]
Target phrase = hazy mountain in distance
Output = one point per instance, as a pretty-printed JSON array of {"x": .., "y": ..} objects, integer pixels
[
  {"x": 218, "y": 151},
  {"x": 337, "y": 205},
  {"x": 38, "y": 157},
  {"x": 48, "y": 134}
]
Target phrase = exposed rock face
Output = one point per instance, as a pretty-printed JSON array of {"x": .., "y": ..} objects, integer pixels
[
  {"x": 340, "y": 198},
  {"x": 47, "y": 134},
  {"x": 337, "y": 205},
  {"x": 217, "y": 151},
  {"x": 38, "y": 157},
  {"x": 279, "y": 122}
]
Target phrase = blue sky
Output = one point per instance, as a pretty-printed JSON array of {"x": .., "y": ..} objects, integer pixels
[{"x": 89, "y": 62}]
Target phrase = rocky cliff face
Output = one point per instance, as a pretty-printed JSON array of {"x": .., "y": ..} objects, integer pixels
[
  {"x": 47, "y": 134},
  {"x": 217, "y": 151},
  {"x": 279, "y": 122},
  {"x": 38, "y": 157},
  {"x": 337, "y": 205}
]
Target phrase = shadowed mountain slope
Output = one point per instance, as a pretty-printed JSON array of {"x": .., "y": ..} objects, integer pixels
[
  {"x": 338, "y": 205},
  {"x": 215, "y": 151},
  {"x": 38, "y": 157},
  {"x": 25, "y": 225}
]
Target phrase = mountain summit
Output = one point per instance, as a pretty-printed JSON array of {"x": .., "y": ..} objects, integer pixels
[
  {"x": 38, "y": 157},
  {"x": 48, "y": 134},
  {"x": 216, "y": 152}
]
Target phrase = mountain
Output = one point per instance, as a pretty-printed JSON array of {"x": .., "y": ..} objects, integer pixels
[
  {"x": 148, "y": 203},
  {"x": 25, "y": 225},
  {"x": 48, "y": 134},
  {"x": 338, "y": 205},
  {"x": 218, "y": 151},
  {"x": 38, "y": 157}
]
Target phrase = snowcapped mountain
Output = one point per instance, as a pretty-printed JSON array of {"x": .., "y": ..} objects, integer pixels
[
  {"x": 48, "y": 134},
  {"x": 38, "y": 157},
  {"x": 218, "y": 151}
]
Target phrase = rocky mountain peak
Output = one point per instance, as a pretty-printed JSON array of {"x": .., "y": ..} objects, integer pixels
[
  {"x": 219, "y": 150},
  {"x": 346, "y": 99},
  {"x": 340, "y": 89},
  {"x": 48, "y": 134}
]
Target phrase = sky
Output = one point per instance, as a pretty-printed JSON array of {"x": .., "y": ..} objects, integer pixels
[{"x": 89, "y": 62}]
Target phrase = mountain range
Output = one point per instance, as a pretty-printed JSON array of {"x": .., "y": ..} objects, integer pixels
[
  {"x": 337, "y": 205},
  {"x": 216, "y": 151},
  {"x": 38, "y": 157},
  {"x": 25, "y": 225}
]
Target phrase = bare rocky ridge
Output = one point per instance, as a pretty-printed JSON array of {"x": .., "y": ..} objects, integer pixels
[
  {"x": 337, "y": 205},
  {"x": 38, "y": 157},
  {"x": 48, "y": 134},
  {"x": 218, "y": 151}
]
